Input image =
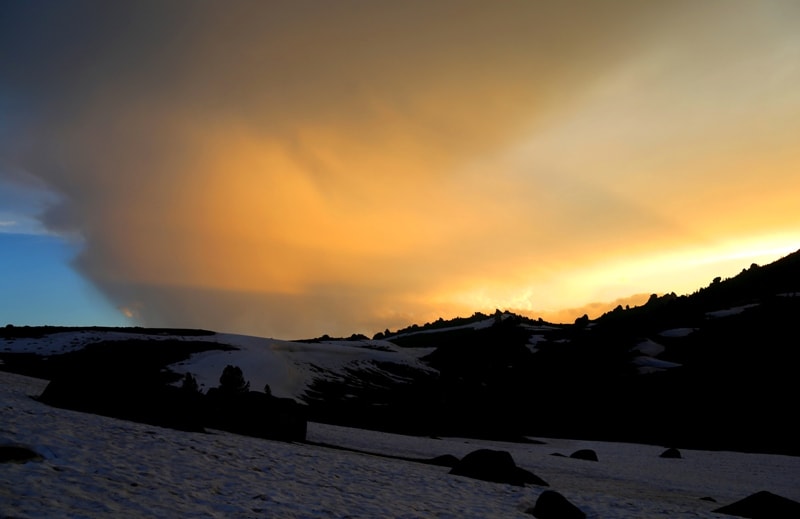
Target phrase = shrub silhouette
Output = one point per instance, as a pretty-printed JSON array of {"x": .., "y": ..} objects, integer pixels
[{"x": 232, "y": 380}]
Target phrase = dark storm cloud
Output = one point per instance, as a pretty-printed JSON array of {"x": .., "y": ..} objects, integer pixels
[{"x": 299, "y": 167}]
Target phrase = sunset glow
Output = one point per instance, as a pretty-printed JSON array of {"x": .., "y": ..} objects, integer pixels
[{"x": 299, "y": 168}]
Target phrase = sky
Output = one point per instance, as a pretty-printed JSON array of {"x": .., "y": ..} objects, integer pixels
[{"x": 289, "y": 169}]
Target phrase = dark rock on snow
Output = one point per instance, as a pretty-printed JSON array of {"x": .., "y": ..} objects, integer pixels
[
  {"x": 584, "y": 454},
  {"x": 763, "y": 505},
  {"x": 552, "y": 505},
  {"x": 671, "y": 453},
  {"x": 17, "y": 454},
  {"x": 495, "y": 466}
]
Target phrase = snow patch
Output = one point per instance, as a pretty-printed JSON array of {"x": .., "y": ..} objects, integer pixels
[
  {"x": 677, "y": 332},
  {"x": 650, "y": 365},
  {"x": 649, "y": 348},
  {"x": 477, "y": 325},
  {"x": 533, "y": 342},
  {"x": 730, "y": 311},
  {"x": 290, "y": 367}
]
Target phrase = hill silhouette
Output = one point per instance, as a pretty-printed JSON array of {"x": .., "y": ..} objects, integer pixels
[{"x": 714, "y": 369}]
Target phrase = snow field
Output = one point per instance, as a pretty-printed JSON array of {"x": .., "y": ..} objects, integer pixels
[{"x": 101, "y": 467}]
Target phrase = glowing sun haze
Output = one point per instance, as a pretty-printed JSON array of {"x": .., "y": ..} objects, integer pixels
[{"x": 297, "y": 168}]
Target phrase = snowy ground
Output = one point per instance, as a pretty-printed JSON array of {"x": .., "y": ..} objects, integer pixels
[{"x": 101, "y": 467}]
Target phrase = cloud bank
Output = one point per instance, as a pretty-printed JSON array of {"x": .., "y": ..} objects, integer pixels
[{"x": 292, "y": 169}]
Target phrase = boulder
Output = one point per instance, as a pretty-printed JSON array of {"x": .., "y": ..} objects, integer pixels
[
  {"x": 584, "y": 454},
  {"x": 763, "y": 505},
  {"x": 671, "y": 453},
  {"x": 494, "y": 466},
  {"x": 552, "y": 505},
  {"x": 17, "y": 454}
]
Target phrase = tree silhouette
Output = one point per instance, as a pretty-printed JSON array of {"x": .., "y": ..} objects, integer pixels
[
  {"x": 189, "y": 384},
  {"x": 232, "y": 380}
]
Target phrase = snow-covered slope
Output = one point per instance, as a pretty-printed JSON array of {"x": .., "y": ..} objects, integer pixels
[
  {"x": 288, "y": 367},
  {"x": 96, "y": 466}
]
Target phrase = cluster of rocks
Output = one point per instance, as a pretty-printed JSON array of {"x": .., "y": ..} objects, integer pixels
[{"x": 499, "y": 467}]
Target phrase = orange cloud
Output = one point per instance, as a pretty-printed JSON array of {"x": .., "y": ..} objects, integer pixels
[{"x": 290, "y": 171}]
